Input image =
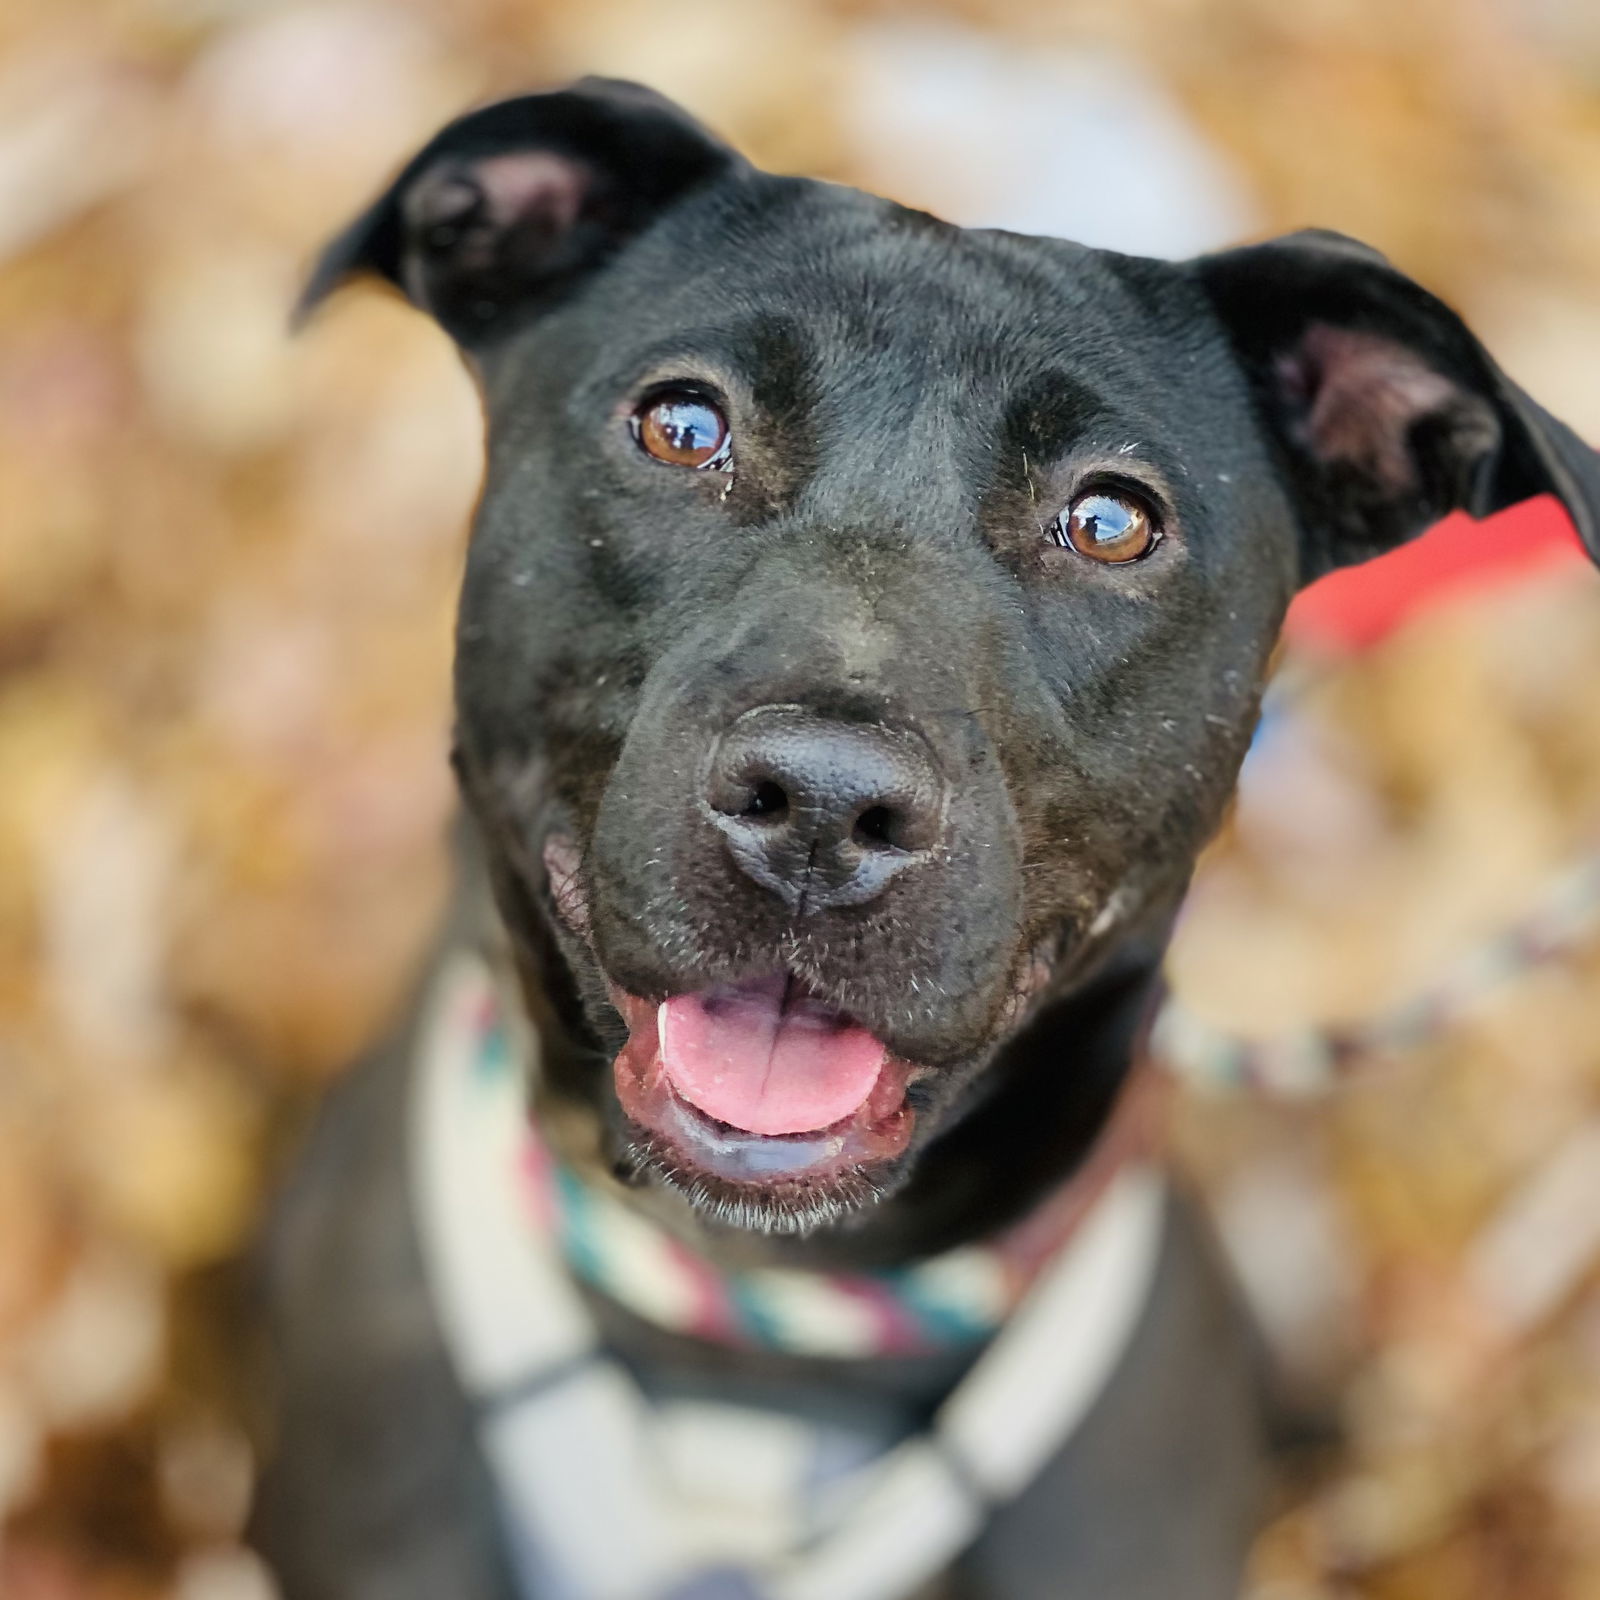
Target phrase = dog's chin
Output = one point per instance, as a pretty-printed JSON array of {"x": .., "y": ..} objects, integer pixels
[{"x": 718, "y": 1109}]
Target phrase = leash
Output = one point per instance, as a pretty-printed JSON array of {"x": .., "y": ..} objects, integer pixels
[
  {"x": 608, "y": 1495},
  {"x": 1313, "y": 1061}
]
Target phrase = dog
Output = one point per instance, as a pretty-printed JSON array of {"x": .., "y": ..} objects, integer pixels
[{"x": 863, "y": 625}]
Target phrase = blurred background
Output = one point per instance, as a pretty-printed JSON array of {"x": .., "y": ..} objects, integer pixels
[{"x": 227, "y": 563}]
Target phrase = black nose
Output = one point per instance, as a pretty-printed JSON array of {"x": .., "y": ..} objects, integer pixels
[{"x": 823, "y": 813}]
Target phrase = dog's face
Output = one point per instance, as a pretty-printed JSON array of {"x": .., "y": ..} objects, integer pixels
[{"x": 865, "y": 618}]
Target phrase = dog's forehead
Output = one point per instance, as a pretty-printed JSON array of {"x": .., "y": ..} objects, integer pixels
[
  {"x": 842, "y": 251},
  {"x": 767, "y": 270}
]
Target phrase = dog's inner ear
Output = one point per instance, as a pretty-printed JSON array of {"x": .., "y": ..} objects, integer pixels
[
  {"x": 1366, "y": 406},
  {"x": 1386, "y": 441},
  {"x": 1382, "y": 410},
  {"x": 506, "y": 209},
  {"x": 479, "y": 235}
]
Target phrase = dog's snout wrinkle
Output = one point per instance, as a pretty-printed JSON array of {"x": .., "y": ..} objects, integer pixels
[{"x": 823, "y": 814}]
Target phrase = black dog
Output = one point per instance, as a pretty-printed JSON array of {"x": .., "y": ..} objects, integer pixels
[{"x": 863, "y": 626}]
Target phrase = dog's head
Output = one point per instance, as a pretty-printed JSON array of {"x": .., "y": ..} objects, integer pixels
[{"x": 865, "y": 618}]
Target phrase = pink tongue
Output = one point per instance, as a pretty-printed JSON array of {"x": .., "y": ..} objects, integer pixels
[{"x": 741, "y": 1057}]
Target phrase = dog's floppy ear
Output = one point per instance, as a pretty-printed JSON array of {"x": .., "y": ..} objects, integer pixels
[
  {"x": 506, "y": 209},
  {"x": 1383, "y": 410}
]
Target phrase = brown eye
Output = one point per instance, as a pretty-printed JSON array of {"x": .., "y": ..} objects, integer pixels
[
  {"x": 1107, "y": 527},
  {"x": 682, "y": 429}
]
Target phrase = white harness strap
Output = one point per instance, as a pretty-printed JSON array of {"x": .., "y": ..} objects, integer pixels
[{"x": 608, "y": 1497}]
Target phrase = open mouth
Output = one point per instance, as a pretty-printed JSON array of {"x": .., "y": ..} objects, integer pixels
[
  {"x": 762, "y": 1086},
  {"x": 760, "y": 1101}
]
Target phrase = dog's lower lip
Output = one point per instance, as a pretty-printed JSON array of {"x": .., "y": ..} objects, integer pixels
[
  {"x": 753, "y": 1158},
  {"x": 875, "y": 1133}
]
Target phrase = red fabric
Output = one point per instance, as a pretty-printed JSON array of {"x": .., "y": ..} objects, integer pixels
[{"x": 1357, "y": 606}]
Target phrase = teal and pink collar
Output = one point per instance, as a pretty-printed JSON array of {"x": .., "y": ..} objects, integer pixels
[{"x": 952, "y": 1300}]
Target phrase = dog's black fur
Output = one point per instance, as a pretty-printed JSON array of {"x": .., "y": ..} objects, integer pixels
[{"x": 912, "y": 406}]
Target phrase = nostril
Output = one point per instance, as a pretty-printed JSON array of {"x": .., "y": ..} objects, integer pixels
[
  {"x": 875, "y": 829},
  {"x": 767, "y": 799}
]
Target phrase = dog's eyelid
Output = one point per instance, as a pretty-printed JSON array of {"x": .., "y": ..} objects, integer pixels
[
  {"x": 672, "y": 366},
  {"x": 1149, "y": 490},
  {"x": 1135, "y": 464},
  {"x": 655, "y": 388},
  {"x": 1112, "y": 460},
  {"x": 1113, "y": 481}
]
